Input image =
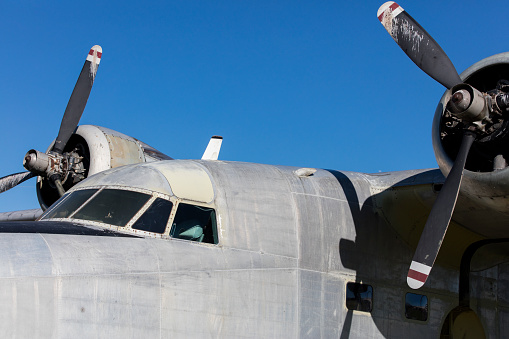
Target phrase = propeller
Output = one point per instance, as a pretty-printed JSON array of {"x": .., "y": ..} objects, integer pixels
[
  {"x": 8, "y": 182},
  {"x": 78, "y": 99},
  {"x": 56, "y": 165},
  {"x": 420, "y": 47},
  {"x": 438, "y": 220},
  {"x": 425, "y": 52}
]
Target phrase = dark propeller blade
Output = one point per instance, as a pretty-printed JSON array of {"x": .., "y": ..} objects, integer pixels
[
  {"x": 50, "y": 165},
  {"x": 8, "y": 182},
  {"x": 78, "y": 99},
  {"x": 439, "y": 218},
  {"x": 418, "y": 44}
]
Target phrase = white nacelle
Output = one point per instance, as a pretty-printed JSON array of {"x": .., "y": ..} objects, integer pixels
[{"x": 102, "y": 149}]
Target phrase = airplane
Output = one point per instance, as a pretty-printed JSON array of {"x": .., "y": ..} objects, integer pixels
[{"x": 130, "y": 242}]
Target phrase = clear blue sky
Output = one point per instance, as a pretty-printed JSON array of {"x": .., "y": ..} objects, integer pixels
[{"x": 301, "y": 83}]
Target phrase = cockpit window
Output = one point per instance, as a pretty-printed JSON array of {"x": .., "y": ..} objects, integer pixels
[
  {"x": 112, "y": 206},
  {"x": 137, "y": 211},
  {"x": 196, "y": 223},
  {"x": 70, "y": 204},
  {"x": 155, "y": 217}
]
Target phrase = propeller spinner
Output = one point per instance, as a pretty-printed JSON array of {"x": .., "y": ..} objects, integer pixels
[
  {"x": 57, "y": 165},
  {"x": 469, "y": 107}
]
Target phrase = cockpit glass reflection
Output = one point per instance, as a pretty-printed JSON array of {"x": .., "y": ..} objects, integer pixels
[
  {"x": 70, "y": 204},
  {"x": 111, "y": 206},
  {"x": 120, "y": 208},
  {"x": 155, "y": 217}
]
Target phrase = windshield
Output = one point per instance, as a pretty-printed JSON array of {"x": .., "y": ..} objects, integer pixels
[
  {"x": 69, "y": 204},
  {"x": 114, "y": 207},
  {"x": 136, "y": 211},
  {"x": 155, "y": 217},
  {"x": 109, "y": 206}
]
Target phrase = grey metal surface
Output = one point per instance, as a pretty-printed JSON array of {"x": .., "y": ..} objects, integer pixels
[
  {"x": 23, "y": 215},
  {"x": 287, "y": 247}
]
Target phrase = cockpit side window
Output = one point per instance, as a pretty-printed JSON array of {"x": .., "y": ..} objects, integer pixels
[
  {"x": 69, "y": 204},
  {"x": 155, "y": 217},
  {"x": 196, "y": 223},
  {"x": 112, "y": 206}
]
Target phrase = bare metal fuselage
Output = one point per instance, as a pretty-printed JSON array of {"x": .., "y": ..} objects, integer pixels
[{"x": 288, "y": 245}]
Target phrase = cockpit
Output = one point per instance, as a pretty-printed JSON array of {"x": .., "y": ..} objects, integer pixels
[{"x": 136, "y": 211}]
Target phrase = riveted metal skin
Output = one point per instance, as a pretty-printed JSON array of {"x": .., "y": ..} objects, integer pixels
[{"x": 288, "y": 245}]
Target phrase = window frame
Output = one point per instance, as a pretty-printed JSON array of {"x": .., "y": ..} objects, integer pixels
[
  {"x": 121, "y": 229},
  {"x": 145, "y": 207},
  {"x": 417, "y": 321},
  {"x": 84, "y": 204},
  {"x": 198, "y": 204},
  {"x": 127, "y": 228},
  {"x": 371, "y": 299}
]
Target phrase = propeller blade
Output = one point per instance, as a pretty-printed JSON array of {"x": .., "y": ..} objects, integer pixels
[
  {"x": 439, "y": 218},
  {"x": 78, "y": 99},
  {"x": 58, "y": 184},
  {"x": 8, "y": 182},
  {"x": 420, "y": 47}
]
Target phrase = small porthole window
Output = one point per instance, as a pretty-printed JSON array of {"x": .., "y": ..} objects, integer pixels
[
  {"x": 359, "y": 297},
  {"x": 416, "y": 307}
]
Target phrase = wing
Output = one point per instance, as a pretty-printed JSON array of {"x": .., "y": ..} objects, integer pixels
[{"x": 24, "y": 215}]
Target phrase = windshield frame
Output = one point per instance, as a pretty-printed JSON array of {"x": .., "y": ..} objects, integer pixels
[
  {"x": 122, "y": 229},
  {"x": 127, "y": 228}
]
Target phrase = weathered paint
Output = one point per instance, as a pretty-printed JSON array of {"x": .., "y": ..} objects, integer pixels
[
  {"x": 94, "y": 56},
  {"x": 123, "y": 151},
  {"x": 188, "y": 181},
  {"x": 138, "y": 176},
  {"x": 288, "y": 245},
  {"x": 23, "y": 215},
  {"x": 10, "y": 181}
]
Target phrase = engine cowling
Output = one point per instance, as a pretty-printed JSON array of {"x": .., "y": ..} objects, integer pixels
[
  {"x": 98, "y": 149},
  {"x": 486, "y": 175}
]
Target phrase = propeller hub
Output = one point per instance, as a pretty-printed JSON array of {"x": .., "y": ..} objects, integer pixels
[
  {"x": 46, "y": 165},
  {"x": 460, "y": 101},
  {"x": 468, "y": 104},
  {"x": 36, "y": 162}
]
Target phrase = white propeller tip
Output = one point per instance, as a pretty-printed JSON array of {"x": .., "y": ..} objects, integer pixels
[
  {"x": 417, "y": 274},
  {"x": 414, "y": 284},
  {"x": 394, "y": 8}
]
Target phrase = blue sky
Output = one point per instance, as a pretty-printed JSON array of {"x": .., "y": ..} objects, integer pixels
[{"x": 316, "y": 84}]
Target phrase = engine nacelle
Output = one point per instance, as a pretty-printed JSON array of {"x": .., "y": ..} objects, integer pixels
[
  {"x": 486, "y": 174},
  {"x": 97, "y": 149}
]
